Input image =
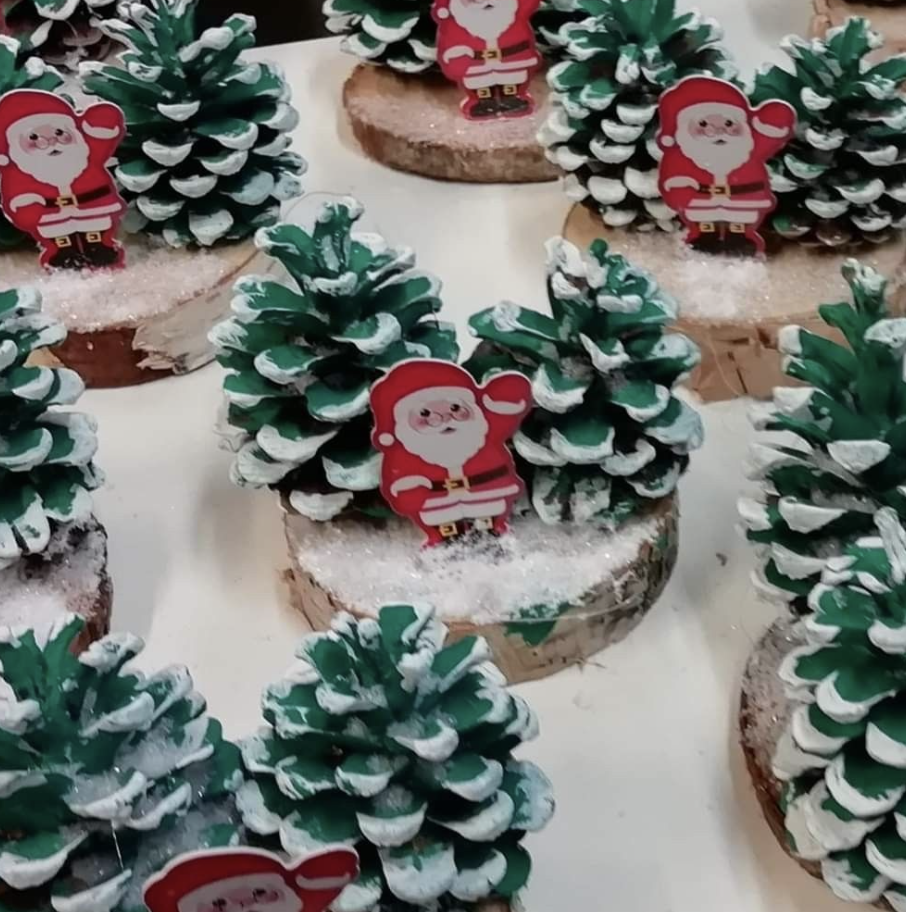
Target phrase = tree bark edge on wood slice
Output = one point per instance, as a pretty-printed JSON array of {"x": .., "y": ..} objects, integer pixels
[
  {"x": 739, "y": 354},
  {"x": 527, "y": 650},
  {"x": 171, "y": 342},
  {"x": 413, "y": 124},
  {"x": 763, "y": 715},
  {"x": 889, "y": 20}
]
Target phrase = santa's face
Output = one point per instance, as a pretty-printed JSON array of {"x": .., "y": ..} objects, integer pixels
[
  {"x": 445, "y": 429},
  {"x": 49, "y": 148},
  {"x": 716, "y": 137},
  {"x": 486, "y": 19},
  {"x": 261, "y": 893}
]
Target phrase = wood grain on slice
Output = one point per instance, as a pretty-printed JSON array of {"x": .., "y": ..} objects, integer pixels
[
  {"x": 887, "y": 18},
  {"x": 414, "y": 124},
  {"x": 734, "y": 307},
  {"x": 148, "y": 346},
  {"x": 763, "y": 715},
  {"x": 604, "y": 614}
]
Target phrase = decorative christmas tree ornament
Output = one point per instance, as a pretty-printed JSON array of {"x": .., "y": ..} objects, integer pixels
[
  {"x": 589, "y": 550},
  {"x": 246, "y": 880},
  {"x": 53, "y": 552},
  {"x": 708, "y": 131},
  {"x": 385, "y": 740},
  {"x": 443, "y": 443},
  {"x": 110, "y": 773},
  {"x": 54, "y": 182},
  {"x": 886, "y": 16},
  {"x": 203, "y": 165},
  {"x": 494, "y": 74},
  {"x": 734, "y": 307}
]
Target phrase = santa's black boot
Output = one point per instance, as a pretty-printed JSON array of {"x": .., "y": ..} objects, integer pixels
[
  {"x": 486, "y": 106},
  {"x": 95, "y": 251},
  {"x": 67, "y": 254},
  {"x": 708, "y": 239},
  {"x": 511, "y": 102}
]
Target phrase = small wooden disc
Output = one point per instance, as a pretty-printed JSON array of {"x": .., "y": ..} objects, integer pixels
[
  {"x": 887, "y": 18},
  {"x": 414, "y": 124},
  {"x": 169, "y": 338},
  {"x": 733, "y": 307},
  {"x": 764, "y": 712},
  {"x": 70, "y": 576},
  {"x": 523, "y": 649}
]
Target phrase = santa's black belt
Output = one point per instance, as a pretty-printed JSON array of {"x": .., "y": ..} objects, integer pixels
[
  {"x": 74, "y": 199},
  {"x": 498, "y": 53},
  {"x": 466, "y": 482},
  {"x": 732, "y": 189}
]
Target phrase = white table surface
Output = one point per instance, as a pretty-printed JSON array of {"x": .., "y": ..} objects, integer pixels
[{"x": 655, "y": 809}]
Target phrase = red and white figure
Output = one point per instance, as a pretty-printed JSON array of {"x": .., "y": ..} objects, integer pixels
[
  {"x": 250, "y": 880},
  {"x": 713, "y": 172},
  {"x": 54, "y": 182},
  {"x": 446, "y": 465},
  {"x": 488, "y": 47}
]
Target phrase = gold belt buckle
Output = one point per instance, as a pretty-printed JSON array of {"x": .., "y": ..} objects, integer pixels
[
  {"x": 65, "y": 201},
  {"x": 456, "y": 484},
  {"x": 720, "y": 190},
  {"x": 491, "y": 54}
]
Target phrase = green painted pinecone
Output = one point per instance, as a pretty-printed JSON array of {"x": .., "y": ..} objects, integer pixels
[
  {"x": 46, "y": 453},
  {"x": 16, "y": 72},
  {"x": 205, "y": 157},
  {"x": 842, "y": 179},
  {"x": 847, "y": 454},
  {"x": 301, "y": 358},
  {"x": 606, "y": 433},
  {"x": 383, "y": 740},
  {"x": 603, "y": 122},
  {"x": 843, "y": 753},
  {"x": 106, "y": 774}
]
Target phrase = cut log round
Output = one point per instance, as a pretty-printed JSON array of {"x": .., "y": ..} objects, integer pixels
[
  {"x": 734, "y": 308},
  {"x": 69, "y": 576},
  {"x": 146, "y": 321},
  {"x": 763, "y": 715},
  {"x": 887, "y": 18},
  {"x": 616, "y": 577},
  {"x": 413, "y": 123}
]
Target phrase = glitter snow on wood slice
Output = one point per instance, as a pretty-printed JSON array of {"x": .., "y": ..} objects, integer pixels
[
  {"x": 414, "y": 124},
  {"x": 763, "y": 715},
  {"x": 145, "y": 322},
  {"x": 70, "y": 576},
  {"x": 544, "y": 597},
  {"x": 887, "y": 19},
  {"x": 735, "y": 307}
]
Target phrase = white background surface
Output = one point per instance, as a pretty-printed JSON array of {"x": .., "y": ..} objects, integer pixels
[{"x": 655, "y": 810}]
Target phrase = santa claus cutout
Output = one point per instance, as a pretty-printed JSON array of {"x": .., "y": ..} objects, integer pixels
[
  {"x": 488, "y": 47},
  {"x": 250, "y": 880},
  {"x": 446, "y": 465},
  {"x": 713, "y": 172},
  {"x": 54, "y": 182}
]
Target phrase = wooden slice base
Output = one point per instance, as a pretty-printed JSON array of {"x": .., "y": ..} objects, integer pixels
[
  {"x": 347, "y": 565},
  {"x": 887, "y": 18},
  {"x": 413, "y": 123},
  {"x": 70, "y": 576},
  {"x": 144, "y": 322},
  {"x": 763, "y": 715},
  {"x": 734, "y": 308}
]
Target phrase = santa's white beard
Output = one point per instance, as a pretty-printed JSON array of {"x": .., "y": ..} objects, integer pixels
[
  {"x": 452, "y": 451},
  {"x": 717, "y": 160},
  {"x": 57, "y": 170},
  {"x": 488, "y": 24}
]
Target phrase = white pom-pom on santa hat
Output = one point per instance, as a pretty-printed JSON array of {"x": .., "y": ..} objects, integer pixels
[
  {"x": 386, "y": 440},
  {"x": 4, "y": 160},
  {"x": 668, "y": 141},
  {"x": 443, "y": 13}
]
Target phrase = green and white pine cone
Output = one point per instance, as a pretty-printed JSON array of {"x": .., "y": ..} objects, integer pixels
[
  {"x": 401, "y": 33},
  {"x": 604, "y": 118},
  {"x": 106, "y": 774},
  {"x": 205, "y": 159},
  {"x": 301, "y": 358},
  {"x": 843, "y": 753},
  {"x": 46, "y": 452},
  {"x": 606, "y": 434},
  {"x": 20, "y": 72},
  {"x": 382, "y": 739},
  {"x": 844, "y": 455},
  {"x": 842, "y": 179}
]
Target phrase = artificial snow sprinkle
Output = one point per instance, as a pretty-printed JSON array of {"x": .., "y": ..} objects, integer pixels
[
  {"x": 154, "y": 278},
  {"x": 490, "y": 581}
]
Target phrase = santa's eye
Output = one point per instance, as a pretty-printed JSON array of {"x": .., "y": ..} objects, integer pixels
[
  {"x": 33, "y": 137},
  {"x": 58, "y": 132},
  {"x": 259, "y": 893},
  {"x": 219, "y": 904},
  {"x": 455, "y": 408},
  {"x": 424, "y": 413},
  {"x": 703, "y": 124},
  {"x": 728, "y": 123}
]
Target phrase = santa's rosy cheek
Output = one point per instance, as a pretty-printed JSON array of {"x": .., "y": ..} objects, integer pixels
[
  {"x": 65, "y": 139},
  {"x": 462, "y": 414},
  {"x": 735, "y": 130}
]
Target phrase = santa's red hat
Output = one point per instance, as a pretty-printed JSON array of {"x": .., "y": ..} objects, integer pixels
[{"x": 317, "y": 879}]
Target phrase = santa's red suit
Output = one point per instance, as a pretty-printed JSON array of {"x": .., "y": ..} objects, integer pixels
[
  {"x": 488, "y": 47},
  {"x": 73, "y": 217},
  {"x": 451, "y": 490},
  {"x": 710, "y": 198}
]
